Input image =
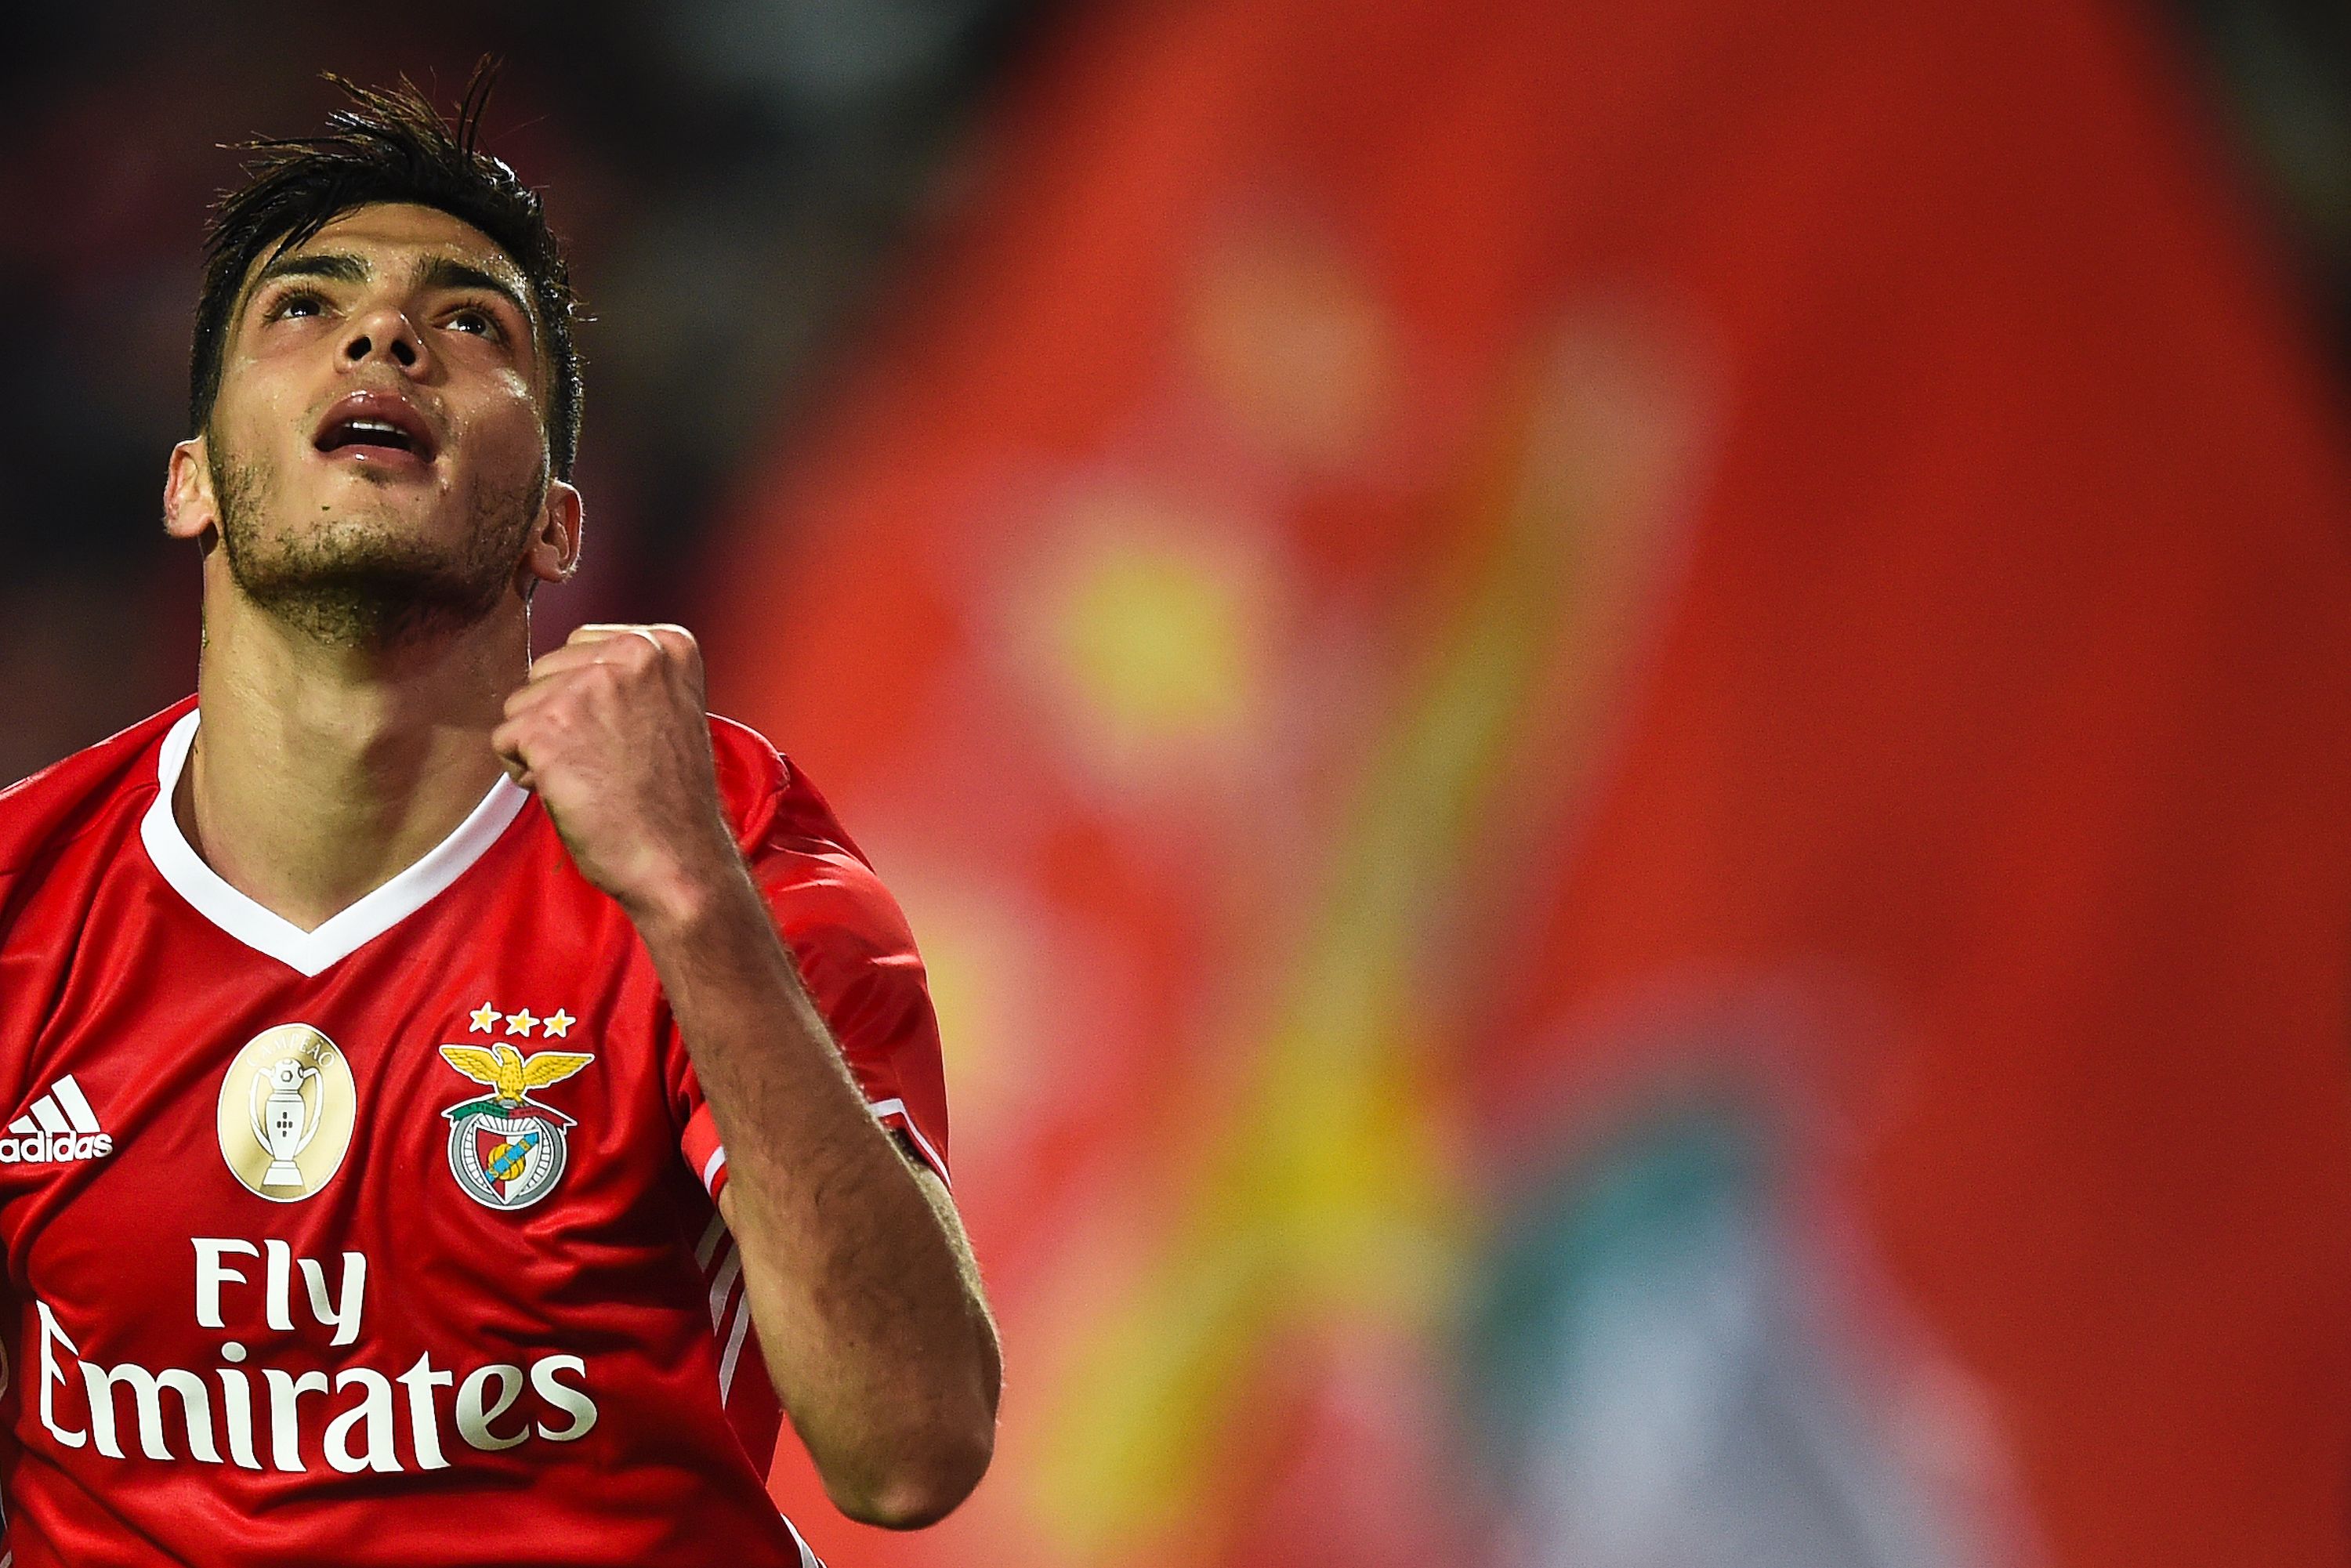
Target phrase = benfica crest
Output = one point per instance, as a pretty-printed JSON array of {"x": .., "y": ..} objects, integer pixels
[{"x": 507, "y": 1149}]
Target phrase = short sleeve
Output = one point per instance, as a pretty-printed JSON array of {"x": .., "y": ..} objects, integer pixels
[{"x": 856, "y": 956}]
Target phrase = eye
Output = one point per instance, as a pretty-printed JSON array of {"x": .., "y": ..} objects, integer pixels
[
  {"x": 473, "y": 319},
  {"x": 295, "y": 302}
]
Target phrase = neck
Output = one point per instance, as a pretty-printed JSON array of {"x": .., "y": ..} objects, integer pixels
[{"x": 321, "y": 772}]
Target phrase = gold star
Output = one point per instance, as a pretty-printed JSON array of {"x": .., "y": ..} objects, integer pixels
[
  {"x": 559, "y": 1023},
  {"x": 520, "y": 1023},
  {"x": 486, "y": 1017}
]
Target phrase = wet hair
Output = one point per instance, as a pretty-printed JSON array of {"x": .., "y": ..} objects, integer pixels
[{"x": 391, "y": 146}]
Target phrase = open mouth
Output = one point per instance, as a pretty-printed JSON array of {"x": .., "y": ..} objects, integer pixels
[
  {"x": 366, "y": 433},
  {"x": 373, "y": 425}
]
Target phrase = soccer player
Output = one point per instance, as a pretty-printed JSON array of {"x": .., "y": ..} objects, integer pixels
[{"x": 449, "y": 1104}]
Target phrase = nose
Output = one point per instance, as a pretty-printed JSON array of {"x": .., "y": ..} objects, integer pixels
[{"x": 384, "y": 334}]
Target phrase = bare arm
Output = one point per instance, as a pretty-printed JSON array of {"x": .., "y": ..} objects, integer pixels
[
  {"x": 877, "y": 1343},
  {"x": 855, "y": 1269}
]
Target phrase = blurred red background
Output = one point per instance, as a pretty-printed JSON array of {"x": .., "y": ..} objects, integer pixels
[{"x": 1617, "y": 734}]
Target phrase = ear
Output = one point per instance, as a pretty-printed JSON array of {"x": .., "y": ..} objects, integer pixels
[
  {"x": 191, "y": 510},
  {"x": 553, "y": 554}
]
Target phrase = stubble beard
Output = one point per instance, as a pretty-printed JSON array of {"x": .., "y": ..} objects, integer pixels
[{"x": 358, "y": 583}]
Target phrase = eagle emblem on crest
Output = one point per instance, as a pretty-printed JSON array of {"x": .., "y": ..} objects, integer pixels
[{"x": 505, "y": 1149}]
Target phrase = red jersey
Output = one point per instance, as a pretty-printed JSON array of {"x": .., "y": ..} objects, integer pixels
[{"x": 393, "y": 1241}]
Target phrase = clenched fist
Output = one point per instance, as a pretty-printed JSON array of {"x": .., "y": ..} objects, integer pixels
[{"x": 610, "y": 733}]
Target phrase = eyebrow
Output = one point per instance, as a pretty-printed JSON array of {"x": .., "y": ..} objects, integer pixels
[
  {"x": 334, "y": 268},
  {"x": 440, "y": 272}
]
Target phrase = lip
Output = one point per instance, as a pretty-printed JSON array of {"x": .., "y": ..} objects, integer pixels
[{"x": 383, "y": 408}]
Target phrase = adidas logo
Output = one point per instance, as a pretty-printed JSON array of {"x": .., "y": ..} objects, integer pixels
[{"x": 60, "y": 1126}]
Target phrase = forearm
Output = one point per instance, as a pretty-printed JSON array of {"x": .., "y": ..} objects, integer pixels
[
  {"x": 872, "y": 1330},
  {"x": 876, "y": 1339}
]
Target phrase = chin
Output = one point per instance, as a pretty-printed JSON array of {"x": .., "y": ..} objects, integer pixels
[{"x": 370, "y": 579}]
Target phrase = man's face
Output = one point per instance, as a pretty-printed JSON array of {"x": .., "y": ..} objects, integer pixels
[{"x": 378, "y": 448}]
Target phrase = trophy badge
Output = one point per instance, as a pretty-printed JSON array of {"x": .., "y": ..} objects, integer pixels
[
  {"x": 287, "y": 1106},
  {"x": 285, "y": 1122}
]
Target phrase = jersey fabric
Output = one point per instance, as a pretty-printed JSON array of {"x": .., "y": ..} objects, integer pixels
[{"x": 395, "y": 1241}]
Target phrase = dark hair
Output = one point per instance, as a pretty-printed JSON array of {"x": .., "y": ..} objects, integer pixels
[{"x": 391, "y": 145}]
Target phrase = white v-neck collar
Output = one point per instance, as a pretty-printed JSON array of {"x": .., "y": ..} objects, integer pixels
[{"x": 349, "y": 929}]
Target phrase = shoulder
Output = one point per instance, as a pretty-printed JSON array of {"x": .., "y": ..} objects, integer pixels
[
  {"x": 817, "y": 880},
  {"x": 769, "y": 800},
  {"x": 103, "y": 783}
]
